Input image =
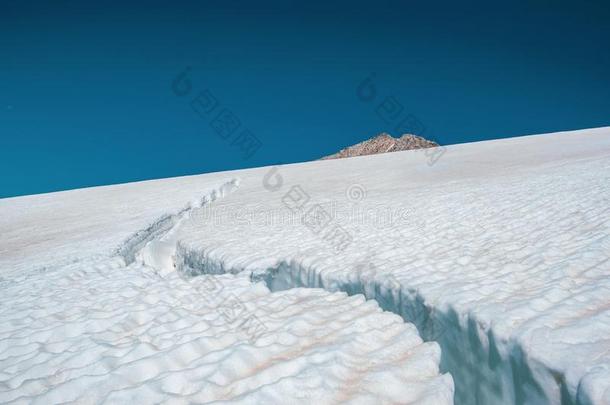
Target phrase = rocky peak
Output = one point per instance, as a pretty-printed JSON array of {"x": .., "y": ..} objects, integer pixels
[{"x": 383, "y": 143}]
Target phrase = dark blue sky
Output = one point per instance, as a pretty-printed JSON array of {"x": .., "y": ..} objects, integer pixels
[{"x": 86, "y": 89}]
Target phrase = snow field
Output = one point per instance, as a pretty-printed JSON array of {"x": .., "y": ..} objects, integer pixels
[
  {"x": 100, "y": 332},
  {"x": 499, "y": 252}
]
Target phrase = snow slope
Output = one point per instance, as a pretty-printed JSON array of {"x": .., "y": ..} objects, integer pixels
[
  {"x": 499, "y": 252},
  {"x": 84, "y": 320}
]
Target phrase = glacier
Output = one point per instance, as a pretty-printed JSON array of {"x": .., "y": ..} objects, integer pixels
[{"x": 482, "y": 279}]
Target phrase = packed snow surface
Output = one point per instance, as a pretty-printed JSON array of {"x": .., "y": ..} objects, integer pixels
[
  {"x": 231, "y": 286},
  {"x": 97, "y": 331}
]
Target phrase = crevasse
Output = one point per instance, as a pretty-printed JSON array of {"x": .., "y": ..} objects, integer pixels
[{"x": 486, "y": 369}]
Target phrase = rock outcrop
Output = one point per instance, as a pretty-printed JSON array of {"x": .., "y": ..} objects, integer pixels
[{"x": 383, "y": 143}]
